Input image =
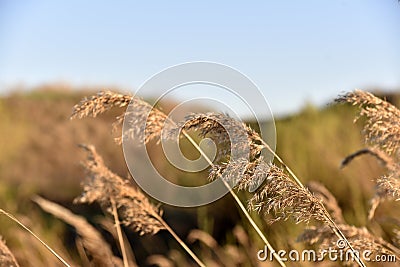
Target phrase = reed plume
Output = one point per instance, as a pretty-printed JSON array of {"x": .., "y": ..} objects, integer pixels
[
  {"x": 133, "y": 207},
  {"x": 284, "y": 198},
  {"x": 6, "y": 257},
  {"x": 382, "y": 125},
  {"x": 141, "y": 114},
  {"x": 328, "y": 199},
  {"x": 103, "y": 186},
  {"x": 100, "y": 103}
]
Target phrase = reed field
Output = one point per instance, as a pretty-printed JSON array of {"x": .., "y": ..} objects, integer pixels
[{"x": 68, "y": 199}]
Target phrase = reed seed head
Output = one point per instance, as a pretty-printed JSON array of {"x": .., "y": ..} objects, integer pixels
[
  {"x": 103, "y": 186},
  {"x": 383, "y": 119}
]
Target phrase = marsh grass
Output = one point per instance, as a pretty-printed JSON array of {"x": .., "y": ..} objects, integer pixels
[
  {"x": 281, "y": 192},
  {"x": 118, "y": 197},
  {"x": 156, "y": 122},
  {"x": 382, "y": 133},
  {"x": 274, "y": 189}
]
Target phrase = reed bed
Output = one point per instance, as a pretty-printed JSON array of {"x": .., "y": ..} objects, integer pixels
[
  {"x": 281, "y": 193},
  {"x": 272, "y": 188}
]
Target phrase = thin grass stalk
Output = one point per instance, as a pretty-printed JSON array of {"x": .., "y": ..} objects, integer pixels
[
  {"x": 119, "y": 232},
  {"x": 10, "y": 216},
  {"x": 183, "y": 244}
]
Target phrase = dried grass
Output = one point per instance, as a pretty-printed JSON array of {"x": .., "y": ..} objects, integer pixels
[
  {"x": 382, "y": 125},
  {"x": 146, "y": 123},
  {"x": 329, "y": 200},
  {"x": 281, "y": 196},
  {"x": 6, "y": 257},
  {"x": 382, "y": 128},
  {"x": 282, "y": 193},
  {"x": 100, "y": 103},
  {"x": 133, "y": 207},
  {"x": 32, "y": 234},
  {"x": 103, "y": 186},
  {"x": 387, "y": 188},
  {"x": 92, "y": 240}
]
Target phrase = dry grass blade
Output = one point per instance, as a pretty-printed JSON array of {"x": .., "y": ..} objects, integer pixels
[
  {"x": 119, "y": 234},
  {"x": 6, "y": 257},
  {"x": 329, "y": 200},
  {"x": 160, "y": 260},
  {"x": 11, "y": 217},
  {"x": 103, "y": 186},
  {"x": 92, "y": 240},
  {"x": 382, "y": 126},
  {"x": 203, "y": 237},
  {"x": 223, "y": 258}
]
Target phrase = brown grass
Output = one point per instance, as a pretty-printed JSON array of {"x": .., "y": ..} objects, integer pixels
[
  {"x": 92, "y": 240},
  {"x": 382, "y": 128},
  {"x": 146, "y": 123},
  {"x": 6, "y": 257},
  {"x": 382, "y": 119},
  {"x": 281, "y": 193},
  {"x": 133, "y": 207}
]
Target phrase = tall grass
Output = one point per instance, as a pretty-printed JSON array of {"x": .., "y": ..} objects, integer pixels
[{"x": 280, "y": 193}]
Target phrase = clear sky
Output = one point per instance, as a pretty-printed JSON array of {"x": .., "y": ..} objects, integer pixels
[{"x": 295, "y": 51}]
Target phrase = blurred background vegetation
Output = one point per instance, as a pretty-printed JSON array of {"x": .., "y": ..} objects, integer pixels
[{"x": 39, "y": 155}]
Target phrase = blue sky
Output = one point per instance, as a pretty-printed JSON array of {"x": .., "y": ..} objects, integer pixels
[{"x": 295, "y": 51}]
